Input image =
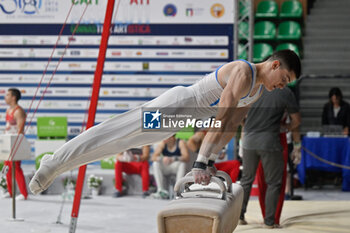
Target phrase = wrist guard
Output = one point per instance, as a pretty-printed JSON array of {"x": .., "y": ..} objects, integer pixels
[
  {"x": 199, "y": 165},
  {"x": 211, "y": 163}
]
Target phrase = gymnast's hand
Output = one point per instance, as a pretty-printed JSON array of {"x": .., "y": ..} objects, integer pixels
[
  {"x": 201, "y": 176},
  {"x": 296, "y": 154},
  {"x": 212, "y": 170}
]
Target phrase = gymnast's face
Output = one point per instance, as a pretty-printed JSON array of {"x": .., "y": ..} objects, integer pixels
[
  {"x": 278, "y": 76},
  {"x": 9, "y": 98}
]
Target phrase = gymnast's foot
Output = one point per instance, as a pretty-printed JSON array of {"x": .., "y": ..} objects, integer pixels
[{"x": 45, "y": 175}]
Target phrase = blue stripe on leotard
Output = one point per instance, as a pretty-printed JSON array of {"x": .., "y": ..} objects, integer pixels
[{"x": 251, "y": 68}]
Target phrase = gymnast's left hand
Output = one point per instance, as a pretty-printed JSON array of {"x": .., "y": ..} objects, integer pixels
[
  {"x": 212, "y": 170},
  {"x": 201, "y": 176}
]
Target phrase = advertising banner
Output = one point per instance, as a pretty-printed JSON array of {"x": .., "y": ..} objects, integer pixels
[{"x": 130, "y": 11}]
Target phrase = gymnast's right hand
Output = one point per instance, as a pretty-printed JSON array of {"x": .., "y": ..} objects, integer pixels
[{"x": 200, "y": 174}]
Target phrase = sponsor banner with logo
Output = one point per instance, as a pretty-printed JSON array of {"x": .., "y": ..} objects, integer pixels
[
  {"x": 86, "y": 92},
  {"x": 45, "y": 53},
  {"x": 151, "y": 79},
  {"x": 83, "y": 80},
  {"x": 79, "y": 104},
  {"x": 117, "y": 53},
  {"x": 168, "y": 53},
  {"x": 117, "y": 40},
  {"x": 53, "y": 104},
  {"x": 30, "y": 91},
  {"x": 52, "y": 126},
  {"x": 56, "y": 79},
  {"x": 169, "y": 40},
  {"x": 130, "y": 11},
  {"x": 51, "y": 11},
  {"x": 112, "y": 66},
  {"x": 159, "y": 11},
  {"x": 135, "y": 92}
]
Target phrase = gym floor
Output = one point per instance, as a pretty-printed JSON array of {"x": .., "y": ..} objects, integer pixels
[{"x": 326, "y": 210}]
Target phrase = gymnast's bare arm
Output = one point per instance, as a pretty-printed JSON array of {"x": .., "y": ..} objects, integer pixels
[{"x": 20, "y": 117}]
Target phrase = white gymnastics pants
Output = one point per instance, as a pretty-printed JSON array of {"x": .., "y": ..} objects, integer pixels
[{"x": 124, "y": 131}]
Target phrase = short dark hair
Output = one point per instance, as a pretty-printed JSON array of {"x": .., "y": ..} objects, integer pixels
[
  {"x": 289, "y": 60},
  {"x": 15, "y": 92}
]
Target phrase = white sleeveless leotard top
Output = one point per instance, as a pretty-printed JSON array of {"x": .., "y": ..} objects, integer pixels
[{"x": 208, "y": 90}]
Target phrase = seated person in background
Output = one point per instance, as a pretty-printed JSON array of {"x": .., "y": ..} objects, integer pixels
[
  {"x": 231, "y": 167},
  {"x": 132, "y": 161},
  {"x": 169, "y": 158},
  {"x": 336, "y": 111}
]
